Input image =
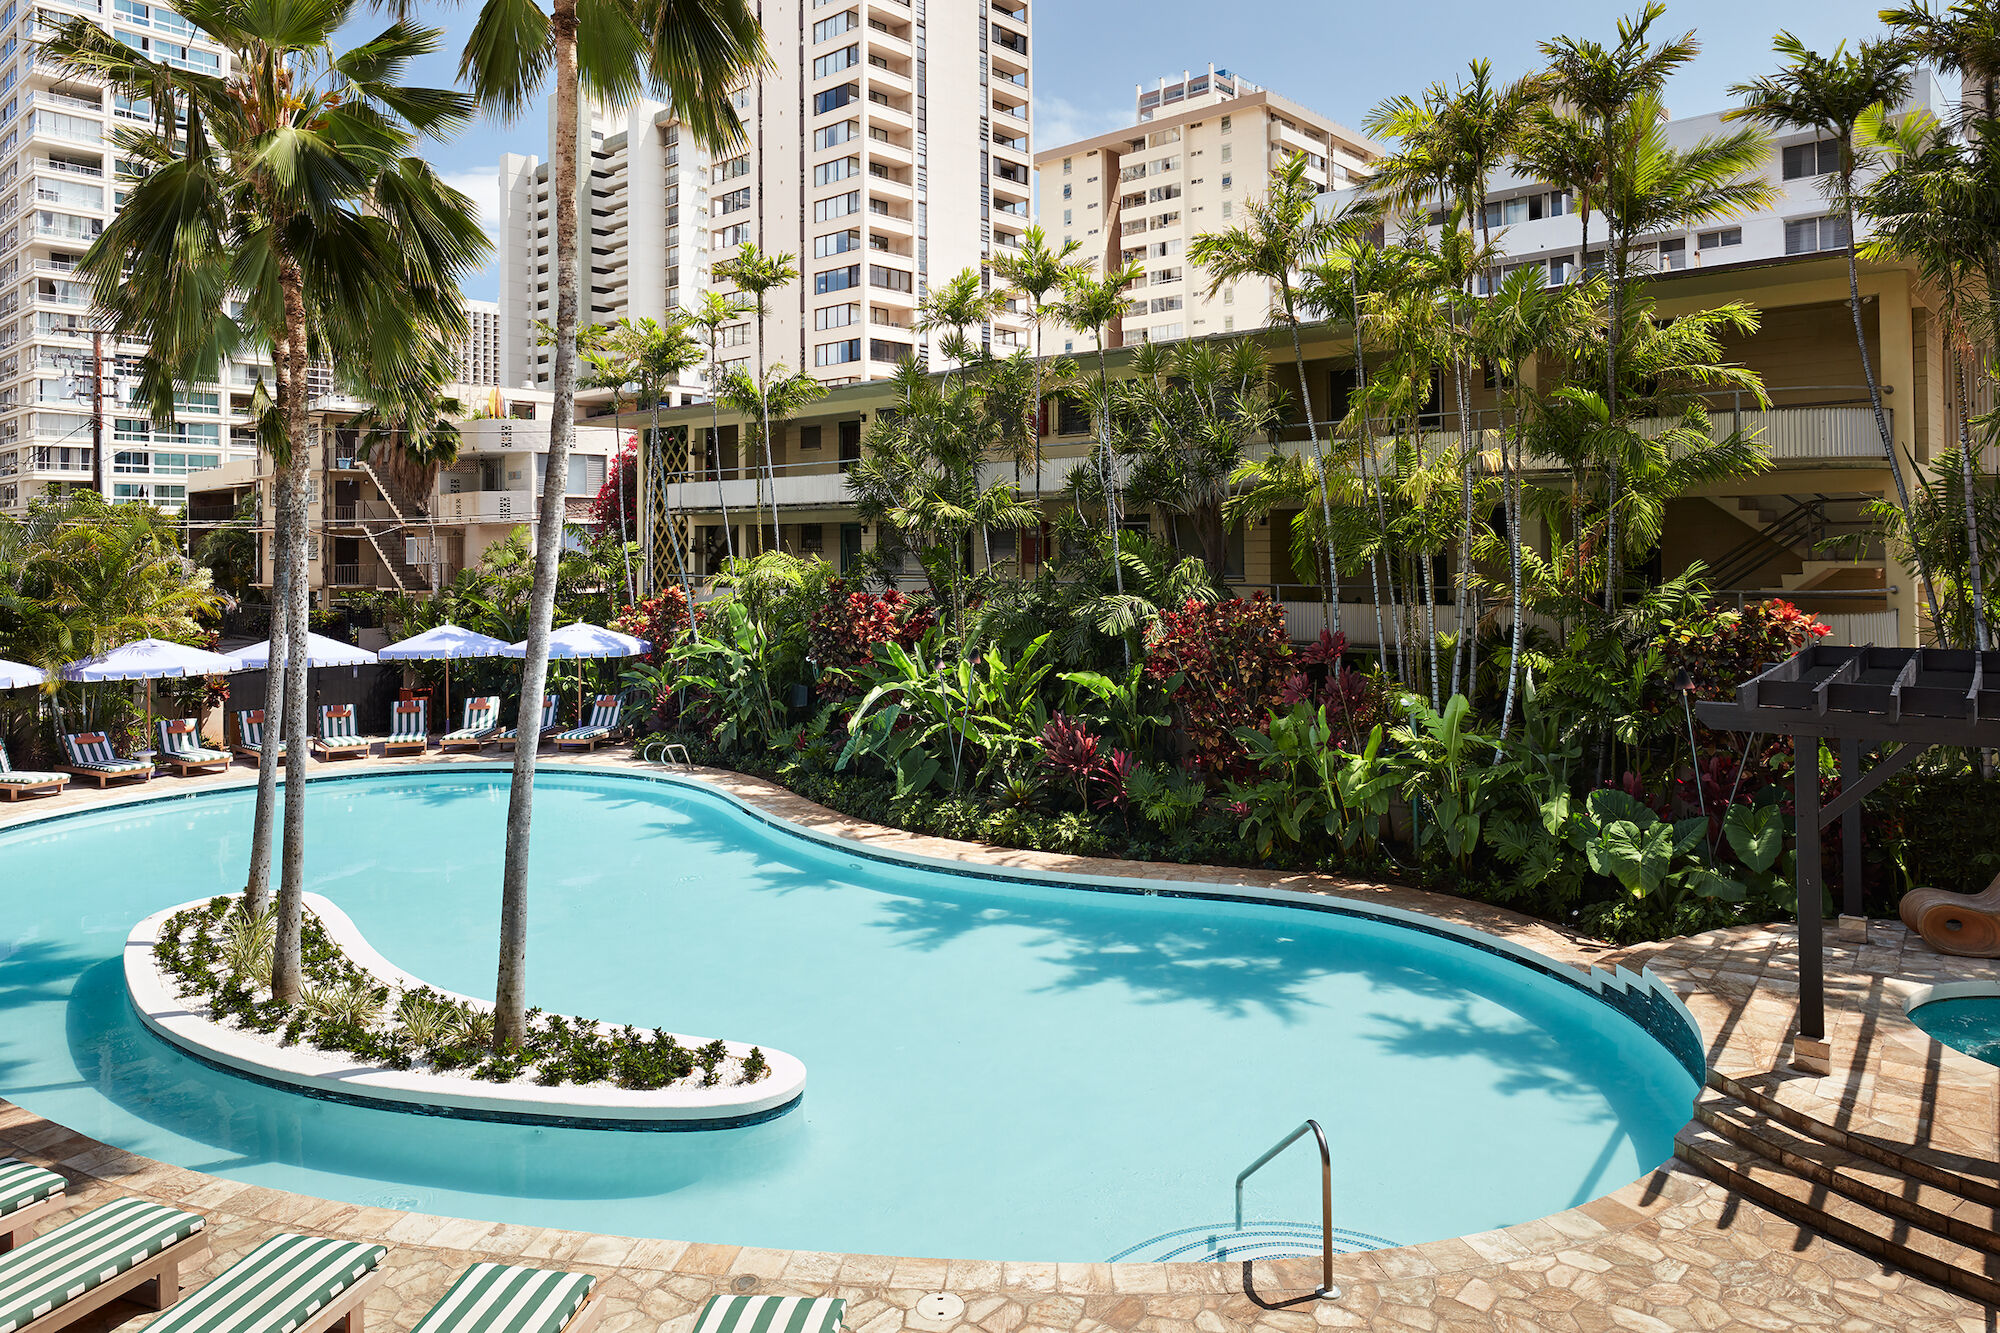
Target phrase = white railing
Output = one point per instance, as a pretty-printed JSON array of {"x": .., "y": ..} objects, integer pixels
[{"x": 1855, "y": 629}]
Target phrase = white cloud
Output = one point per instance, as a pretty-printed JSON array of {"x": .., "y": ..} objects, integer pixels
[{"x": 482, "y": 186}]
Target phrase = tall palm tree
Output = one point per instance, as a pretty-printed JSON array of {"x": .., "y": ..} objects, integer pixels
[
  {"x": 691, "y": 52},
  {"x": 960, "y": 303},
  {"x": 758, "y": 275},
  {"x": 770, "y": 400},
  {"x": 1095, "y": 304},
  {"x": 1963, "y": 39},
  {"x": 1830, "y": 94},
  {"x": 295, "y": 177},
  {"x": 1037, "y": 272},
  {"x": 715, "y": 311},
  {"x": 653, "y": 357},
  {"x": 1281, "y": 235}
]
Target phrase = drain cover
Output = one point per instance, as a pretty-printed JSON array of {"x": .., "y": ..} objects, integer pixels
[
  {"x": 743, "y": 1282},
  {"x": 941, "y": 1306}
]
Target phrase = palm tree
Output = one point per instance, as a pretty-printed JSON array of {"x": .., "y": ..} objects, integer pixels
[
  {"x": 297, "y": 167},
  {"x": 1831, "y": 93},
  {"x": 770, "y": 400},
  {"x": 759, "y": 274},
  {"x": 690, "y": 51},
  {"x": 1962, "y": 39},
  {"x": 1283, "y": 234},
  {"x": 960, "y": 303},
  {"x": 1094, "y": 304},
  {"x": 652, "y": 357},
  {"x": 1038, "y": 272},
  {"x": 710, "y": 316},
  {"x": 1559, "y": 147}
]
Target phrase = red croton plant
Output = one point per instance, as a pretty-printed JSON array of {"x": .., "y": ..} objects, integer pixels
[
  {"x": 1232, "y": 660},
  {"x": 845, "y": 629}
]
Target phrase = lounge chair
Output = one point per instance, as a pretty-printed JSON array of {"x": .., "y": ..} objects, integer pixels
[
  {"x": 506, "y": 1298},
  {"x": 771, "y": 1314},
  {"x": 409, "y": 728},
  {"x": 250, "y": 735},
  {"x": 482, "y": 725},
  {"x": 336, "y": 739},
  {"x": 91, "y": 756},
  {"x": 131, "y": 1248},
  {"x": 182, "y": 751},
  {"x": 27, "y": 1195},
  {"x": 16, "y": 783},
  {"x": 1963, "y": 924},
  {"x": 289, "y": 1284},
  {"x": 602, "y": 729},
  {"x": 512, "y": 734}
]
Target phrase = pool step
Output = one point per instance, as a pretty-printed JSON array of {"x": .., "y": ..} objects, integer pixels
[
  {"x": 1225, "y": 1242},
  {"x": 1815, "y": 1195}
]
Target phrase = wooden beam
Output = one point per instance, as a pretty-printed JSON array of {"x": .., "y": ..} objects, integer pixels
[{"x": 1854, "y": 792}]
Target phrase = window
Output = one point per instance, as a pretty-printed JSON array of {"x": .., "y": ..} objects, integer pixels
[
  {"x": 1229, "y": 152},
  {"x": 836, "y": 316},
  {"x": 828, "y": 136},
  {"x": 735, "y": 235},
  {"x": 1715, "y": 240},
  {"x": 828, "y": 65},
  {"x": 1066, "y": 162},
  {"x": 836, "y": 243},
  {"x": 1068, "y": 217},
  {"x": 839, "y": 206},
  {"x": 1162, "y": 304},
  {"x": 837, "y": 354},
  {"x": 1228, "y": 210},
  {"x": 734, "y": 167},
  {"x": 1066, "y": 191},
  {"x": 826, "y": 173},
  {"x": 837, "y": 279},
  {"x": 1225, "y": 124},
  {"x": 835, "y": 98},
  {"x": 736, "y": 335},
  {"x": 1159, "y": 194},
  {"x": 882, "y": 350},
  {"x": 1812, "y": 159},
  {"x": 1228, "y": 181},
  {"x": 733, "y": 202},
  {"x": 827, "y": 29},
  {"x": 889, "y": 279},
  {"x": 1165, "y": 164},
  {"x": 1673, "y": 254},
  {"x": 809, "y": 439},
  {"x": 1161, "y": 138},
  {"x": 1805, "y": 235}
]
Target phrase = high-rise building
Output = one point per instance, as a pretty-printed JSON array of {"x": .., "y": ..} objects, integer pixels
[
  {"x": 68, "y": 415},
  {"x": 479, "y": 353},
  {"x": 1196, "y": 152},
  {"x": 886, "y": 150}
]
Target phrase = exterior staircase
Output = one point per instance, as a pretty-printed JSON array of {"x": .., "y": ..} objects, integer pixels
[
  {"x": 1863, "y": 1193},
  {"x": 410, "y": 515}
]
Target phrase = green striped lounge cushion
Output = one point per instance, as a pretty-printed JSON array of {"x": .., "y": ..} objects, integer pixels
[
  {"x": 603, "y": 717},
  {"x": 22, "y": 1184},
  {"x": 9, "y": 774},
  {"x": 183, "y": 738},
  {"x": 771, "y": 1314},
  {"x": 505, "y": 1298},
  {"x": 336, "y": 725},
  {"x": 274, "y": 1288},
  {"x": 58, "y": 1266},
  {"x": 480, "y": 716},
  {"x": 410, "y": 723},
  {"x": 92, "y": 749},
  {"x": 548, "y": 719}
]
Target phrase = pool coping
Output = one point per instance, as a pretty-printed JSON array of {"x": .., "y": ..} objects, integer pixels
[
  {"x": 1667, "y": 1228},
  {"x": 334, "y": 1076}
]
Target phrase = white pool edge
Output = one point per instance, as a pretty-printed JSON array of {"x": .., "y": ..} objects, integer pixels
[{"x": 164, "y": 1013}]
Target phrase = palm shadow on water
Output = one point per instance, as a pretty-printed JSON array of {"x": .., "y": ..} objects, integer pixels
[
  {"x": 32, "y": 973},
  {"x": 250, "y": 1125}
]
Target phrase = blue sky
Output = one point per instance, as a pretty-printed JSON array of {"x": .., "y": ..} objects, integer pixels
[{"x": 1339, "y": 57}]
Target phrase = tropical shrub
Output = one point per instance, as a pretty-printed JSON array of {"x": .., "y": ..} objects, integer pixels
[
  {"x": 1226, "y": 663},
  {"x": 847, "y": 626}
]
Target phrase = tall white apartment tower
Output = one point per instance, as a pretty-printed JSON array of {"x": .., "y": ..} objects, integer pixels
[
  {"x": 886, "y": 150},
  {"x": 66, "y": 383},
  {"x": 1198, "y": 149}
]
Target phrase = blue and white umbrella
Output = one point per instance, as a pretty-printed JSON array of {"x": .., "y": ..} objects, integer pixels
[
  {"x": 320, "y": 652},
  {"x": 19, "y": 675},
  {"x": 580, "y": 641},
  {"x": 149, "y": 660},
  {"x": 446, "y": 643}
]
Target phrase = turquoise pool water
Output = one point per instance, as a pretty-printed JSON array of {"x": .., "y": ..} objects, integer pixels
[
  {"x": 1969, "y": 1023},
  {"x": 997, "y": 1070}
]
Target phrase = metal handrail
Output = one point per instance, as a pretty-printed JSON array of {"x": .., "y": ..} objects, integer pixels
[{"x": 1327, "y": 1290}]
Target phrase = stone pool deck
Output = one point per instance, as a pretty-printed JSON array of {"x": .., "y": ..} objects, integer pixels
[{"x": 1672, "y": 1251}]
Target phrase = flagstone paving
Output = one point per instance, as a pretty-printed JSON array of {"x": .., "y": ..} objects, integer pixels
[{"x": 1672, "y": 1251}]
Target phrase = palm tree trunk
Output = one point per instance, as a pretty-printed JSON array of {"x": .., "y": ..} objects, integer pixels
[
  {"x": 287, "y": 961},
  {"x": 715, "y": 443},
  {"x": 1330, "y": 601},
  {"x": 1875, "y": 401},
  {"x": 1462, "y": 595},
  {"x": 1363, "y": 461},
  {"x": 624, "y": 533},
  {"x": 764, "y": 411},
  {"x": 257, "y": 887},
  {"x": 510, "y": 990},
  {"x": 1514, "y": 553},
  {"x": 1430, "y": 620},
  {"x": 1965, "y": 469},
  {"x": 1110, "y": 480}
]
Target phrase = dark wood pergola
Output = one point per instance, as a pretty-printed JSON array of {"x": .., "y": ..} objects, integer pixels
[{"x": 1910, "y": 698}]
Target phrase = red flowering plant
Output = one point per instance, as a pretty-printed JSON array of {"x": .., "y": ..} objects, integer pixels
[
  {"x": 845, "y": 629},
  {"x": 1232, "y": 662},
  {"x": 1353, "y": 702},
  {"x": 621, "y": 487},
  {"x": 661, "y": 620}
]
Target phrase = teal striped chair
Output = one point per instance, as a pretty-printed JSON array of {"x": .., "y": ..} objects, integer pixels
[
  {"x": 409, "y": 728},
  {"x": 250, "y": 735},
  {"x": 91, "y": 756},
  {"x": 337, "y": 738},
  {"x": 771, "y": 1314},
  {"x": 513, "y": 734},
  {"x": 182, "y": 751},
  {"x": 16, "y": 783},
  {"x": 482, "y": 725},
  {"x": 505, "y": 1298},
  {"x": 131, "y": 1249},
  {"x": 27, "y": 1195},
  {"x": 289, "y": 1284},
  {"x": 602, "y": 729}
]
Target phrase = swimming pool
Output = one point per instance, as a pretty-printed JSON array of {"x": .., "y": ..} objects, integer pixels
[
  {"x": 1966, "y": 1022},
  {"x": 998, "y": 1069}
]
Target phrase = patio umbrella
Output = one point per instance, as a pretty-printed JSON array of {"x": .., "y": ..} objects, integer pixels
[
  {"x": 320, "y": 652},
  {"x": 445, "y": 643},
  {"x": 19, "y": 675},
  {"x": 149, "y": 660},
  {"x": 579, "y": 641}
]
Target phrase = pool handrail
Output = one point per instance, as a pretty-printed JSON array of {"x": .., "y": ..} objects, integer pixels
[{"x": 1327, "y": 1291}]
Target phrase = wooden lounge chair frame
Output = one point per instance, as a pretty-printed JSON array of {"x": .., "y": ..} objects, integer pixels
[
  {"x": 102, "y": 778},
  {"x": 14, "y": 791},
  {"x": 394, "y": 744},
  {"x": 541, "y": 738},
  {"x": 611, "y": 735},
  {"x": 449, "y": 743},
  {"x": 362, "y": 748},
  {"x": 154, "y": 1284},
  {"x": 19, "y": 1225},
  {"x": 183, "y": 765}
]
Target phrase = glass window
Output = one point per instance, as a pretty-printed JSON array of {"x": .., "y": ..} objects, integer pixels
[
  {"x": 1802, "y": 160},
  {"x": 1715, "y": 240}
]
